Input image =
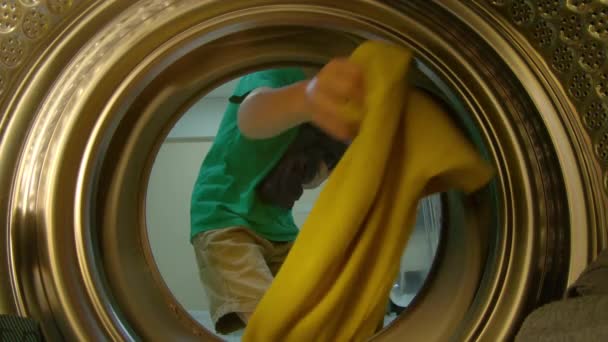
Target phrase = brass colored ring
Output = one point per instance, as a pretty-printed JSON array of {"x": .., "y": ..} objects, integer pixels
[{"x": 89, "y": 89}]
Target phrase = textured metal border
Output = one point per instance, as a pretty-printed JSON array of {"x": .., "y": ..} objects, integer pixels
[{"x": 572, "y": 37}]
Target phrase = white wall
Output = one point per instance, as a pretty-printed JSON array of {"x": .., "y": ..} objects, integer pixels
[
  {"x": 168, "y": 219},
  {"x": 203, "y": 118},
  {"x": 168, "y": 198}
]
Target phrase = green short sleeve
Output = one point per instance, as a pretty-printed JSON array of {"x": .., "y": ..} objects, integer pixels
[{"x": 225, "y": 191}]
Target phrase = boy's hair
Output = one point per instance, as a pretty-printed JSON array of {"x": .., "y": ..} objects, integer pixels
[{"x": 299, "y": 165}]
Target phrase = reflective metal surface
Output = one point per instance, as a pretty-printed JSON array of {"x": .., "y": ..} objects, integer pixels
[{"x": 89, "y": 88}]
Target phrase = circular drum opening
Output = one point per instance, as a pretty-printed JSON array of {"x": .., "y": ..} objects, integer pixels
[
  {"x": 174, "y": 170},
  {"x": 167, "y": 206}
]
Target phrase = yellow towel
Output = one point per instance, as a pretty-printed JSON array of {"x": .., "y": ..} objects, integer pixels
[{"x": 334, "y": 284}]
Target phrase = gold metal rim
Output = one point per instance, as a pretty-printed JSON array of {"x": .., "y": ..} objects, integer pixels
[{"x": 78, "y": 152}]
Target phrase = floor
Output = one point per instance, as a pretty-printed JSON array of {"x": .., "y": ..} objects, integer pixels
[{"x": 204, "y": 319}]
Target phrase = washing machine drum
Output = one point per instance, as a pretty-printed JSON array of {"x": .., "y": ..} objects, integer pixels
[{"x": 90, "y": 89}]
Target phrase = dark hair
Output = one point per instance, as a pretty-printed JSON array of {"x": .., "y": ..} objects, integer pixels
[{"x": 300, "y": 165}]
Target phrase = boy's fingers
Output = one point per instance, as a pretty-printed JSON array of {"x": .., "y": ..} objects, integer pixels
[
  {"x": 343, "y": 79},
  {"x": 350, "y": 71},
  {"x": 352, "y": 82},
  {"x": 327, "y": 105},
  {"x": 343, "y": 91},
  {"x": 336, "y": 126}
]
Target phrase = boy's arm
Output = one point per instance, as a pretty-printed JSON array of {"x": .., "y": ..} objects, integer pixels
[{"x": 268, "y": 112}]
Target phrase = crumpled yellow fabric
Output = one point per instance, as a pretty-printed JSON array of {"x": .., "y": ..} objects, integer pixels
[{"x": 334, "y": 284}]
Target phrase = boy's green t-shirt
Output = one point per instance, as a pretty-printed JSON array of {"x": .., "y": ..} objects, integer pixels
[{"x": 225, "y": 191}]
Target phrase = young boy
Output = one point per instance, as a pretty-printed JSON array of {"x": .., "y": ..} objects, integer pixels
[{"x": 241, "y": 222}]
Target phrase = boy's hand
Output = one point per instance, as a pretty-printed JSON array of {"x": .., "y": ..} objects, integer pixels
[{"x": 338, "y": 82}]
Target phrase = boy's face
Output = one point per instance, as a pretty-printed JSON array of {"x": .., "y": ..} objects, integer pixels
[{"x": 321, "y": 176}]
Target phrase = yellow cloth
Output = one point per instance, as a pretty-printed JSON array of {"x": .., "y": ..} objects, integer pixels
[{"x": 335, "y": 282}]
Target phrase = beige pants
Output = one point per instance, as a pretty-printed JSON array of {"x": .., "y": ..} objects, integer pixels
[{"x": 236, "y": 268}]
